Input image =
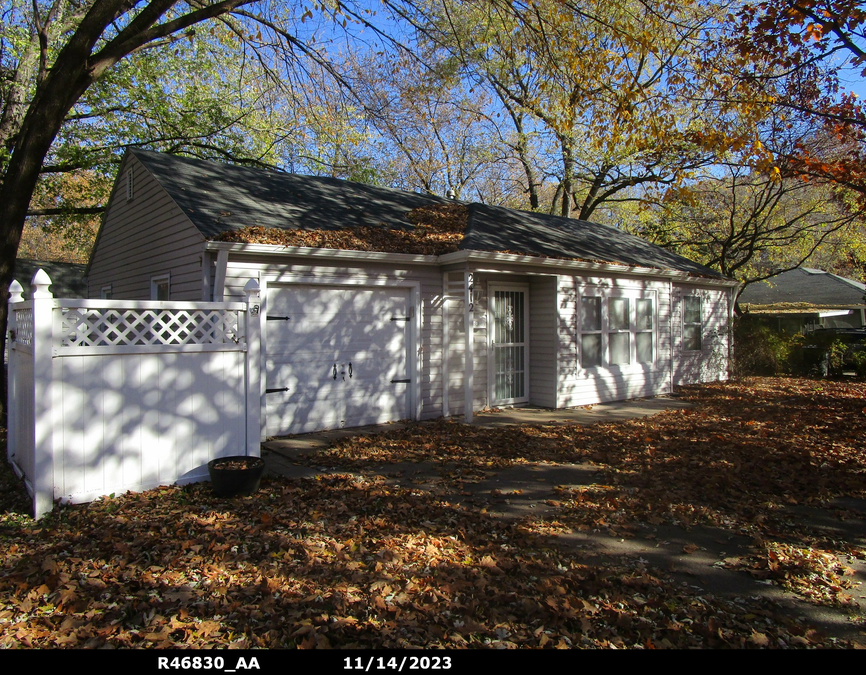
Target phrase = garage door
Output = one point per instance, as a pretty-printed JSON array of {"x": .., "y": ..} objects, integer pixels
[{"x": 336, "y": 357}]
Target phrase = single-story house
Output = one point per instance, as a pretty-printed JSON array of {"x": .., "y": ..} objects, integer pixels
[
  {"x": 382, "y": 304},
  {"x": 805, "y": 299}
]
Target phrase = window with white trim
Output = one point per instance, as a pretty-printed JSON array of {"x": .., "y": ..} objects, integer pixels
[
  {"x": 590, "y": 332},
  {"x": 644, "y": 330},
  {"x": 160, "y": 287},
  {"x": 693, "y": 327},
  {"x": 616, "y": 328},
  {"x": 105, "y": 292},
  {"x": 619, "y": 331}
]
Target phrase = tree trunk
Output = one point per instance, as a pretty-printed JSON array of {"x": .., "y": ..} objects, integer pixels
[
  {"x": 52, "y": 101},
  {"x": 567, "y": 176}
]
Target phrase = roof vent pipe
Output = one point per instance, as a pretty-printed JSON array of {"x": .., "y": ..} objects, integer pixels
[{"x": 451, "y": 194}]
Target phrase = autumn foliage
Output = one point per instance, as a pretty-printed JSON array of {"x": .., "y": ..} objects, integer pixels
[{"x": 358, "y": 558}]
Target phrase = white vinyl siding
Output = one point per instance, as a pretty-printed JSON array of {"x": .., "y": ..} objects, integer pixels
[
  {"x": 543, "y": 358},
  {"x": 585, "y": 329},
  {"x": 700, "y": 333},
  {"x": 144, "y": 237},
  {"x": 457, "y": 344}
]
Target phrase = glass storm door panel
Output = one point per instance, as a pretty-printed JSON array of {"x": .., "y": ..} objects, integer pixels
[{"x": 509, "y": 346}]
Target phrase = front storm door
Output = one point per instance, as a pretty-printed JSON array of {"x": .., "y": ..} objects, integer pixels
[{"x": 509, "y": 346}]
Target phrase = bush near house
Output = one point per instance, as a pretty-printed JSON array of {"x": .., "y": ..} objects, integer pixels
[{"x": 760, "y": 350}]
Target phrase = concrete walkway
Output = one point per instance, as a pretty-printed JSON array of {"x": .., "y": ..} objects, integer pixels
[
  {"x": 281, "y": 454},
  {"x": 693, "y": 556}
]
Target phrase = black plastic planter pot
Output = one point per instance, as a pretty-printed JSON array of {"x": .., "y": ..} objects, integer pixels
[{"x": 237, "y": 475}]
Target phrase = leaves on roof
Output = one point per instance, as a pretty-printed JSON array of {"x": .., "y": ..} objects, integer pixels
[
  {"x": 791, "y": 307},
  {"x": 436, "y": 230}
]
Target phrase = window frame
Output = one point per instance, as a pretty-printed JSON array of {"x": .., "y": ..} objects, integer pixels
[
  {"x": 700, "y": 324},
  {"x": 156, "y": 282},
  {"x": 581, "y": 331},
  {"x": 606, "y": 295}
]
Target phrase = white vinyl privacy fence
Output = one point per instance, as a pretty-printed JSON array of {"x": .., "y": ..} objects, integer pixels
[{"x": 113, "y": 395}]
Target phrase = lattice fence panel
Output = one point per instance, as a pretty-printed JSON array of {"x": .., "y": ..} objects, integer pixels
[
  {"x": 98, "y": 327},
  {"x": 24, "y": 326}
]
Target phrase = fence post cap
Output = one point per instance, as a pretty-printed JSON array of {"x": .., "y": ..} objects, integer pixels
[
  {"x": 252, "y": 286},
  {"x": 16, "y": 292},
  {"x": 40, "y": 283}
]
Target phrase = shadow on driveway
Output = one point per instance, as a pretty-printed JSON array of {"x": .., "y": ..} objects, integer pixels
[{"x": 696, "y": 556}]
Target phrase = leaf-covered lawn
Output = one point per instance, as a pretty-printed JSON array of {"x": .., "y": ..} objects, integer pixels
[{"x": 349, "y": 560}]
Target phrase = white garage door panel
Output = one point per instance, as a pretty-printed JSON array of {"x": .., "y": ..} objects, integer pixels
[{"x": 350, "y": 328}]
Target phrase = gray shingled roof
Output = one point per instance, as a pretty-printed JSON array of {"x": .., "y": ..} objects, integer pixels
[
  {"x": 494, "y": 228},
  {"x": 67, "y": 279},
  {"x": 804, "y": 285},
  {"x": 221, "y": 197}
]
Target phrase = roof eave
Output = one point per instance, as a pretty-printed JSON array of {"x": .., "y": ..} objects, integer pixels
[
  {"x": 783, "y": 308},
  {"x": 459, "y": 257},
  {"x": 322, "y": 253},
  {"x": 580, "y": 265}
]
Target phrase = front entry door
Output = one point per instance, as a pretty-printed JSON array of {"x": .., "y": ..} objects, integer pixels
[{"x": 509, "y": 345}]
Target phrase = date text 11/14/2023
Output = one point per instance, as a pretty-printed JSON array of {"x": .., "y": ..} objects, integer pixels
[{"x": 398, "y": 664}]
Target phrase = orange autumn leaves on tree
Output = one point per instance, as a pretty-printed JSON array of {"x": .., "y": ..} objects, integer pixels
[
  {"x": 793, "y": 31},
  {"x": 793, "y": 53}
]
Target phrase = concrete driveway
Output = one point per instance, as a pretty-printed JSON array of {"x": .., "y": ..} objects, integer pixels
[{"x": 694, "y": 556}]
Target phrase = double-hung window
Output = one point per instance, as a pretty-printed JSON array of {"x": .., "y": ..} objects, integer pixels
[
  {"x": 591, "y": 343},
  {"x": 617, "y": 328},
  {"x": 692, "y": 323}
]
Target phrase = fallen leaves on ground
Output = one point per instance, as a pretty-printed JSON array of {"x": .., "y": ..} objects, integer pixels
[
  {"x": 747, "y": 458},
  {"x": 817, "y": 575},
  {"x": 342, "y": 561},
  {"x": 349, "y": 560}
]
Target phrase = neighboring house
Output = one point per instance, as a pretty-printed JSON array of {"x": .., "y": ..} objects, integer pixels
[
  {"x": 806, "y": 299},
  {"x": 68, "y": 279},
  {"x": 509, "y": 307}
]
